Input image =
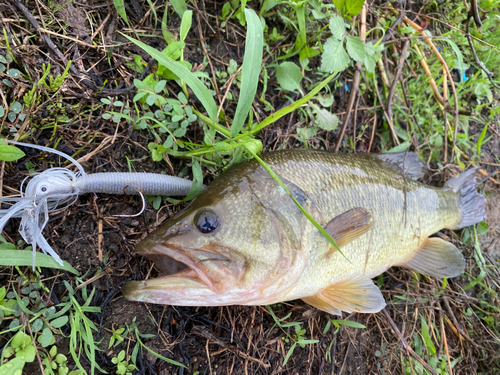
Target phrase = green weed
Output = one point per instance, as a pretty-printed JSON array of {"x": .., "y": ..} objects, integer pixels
[{"x": 295, "y": 338}]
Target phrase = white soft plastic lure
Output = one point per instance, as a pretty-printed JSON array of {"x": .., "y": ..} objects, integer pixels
[{"x": 57, "y": 188}]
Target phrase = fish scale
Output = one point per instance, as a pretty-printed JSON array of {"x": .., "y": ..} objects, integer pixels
[{"x": 342, "y": 182}]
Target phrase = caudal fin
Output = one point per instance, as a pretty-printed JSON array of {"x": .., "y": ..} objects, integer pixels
[{"x": 471, "y": 204}]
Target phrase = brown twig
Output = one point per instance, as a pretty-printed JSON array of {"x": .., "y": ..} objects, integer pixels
[
  {"x": 445, "y": 67},
  {"x": 202, "y": 41},
  {"x": 445, "y": 116},
  {"x": 355, "y": 83},
  {"x": 399, "y": 68},
  {"x": 432, "y": 82},
  {"x": 374, "y": 126},
  {"x": 478, "y": 62}
]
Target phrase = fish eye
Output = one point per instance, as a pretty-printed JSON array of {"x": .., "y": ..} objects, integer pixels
[{"x": 206, "y": 221}]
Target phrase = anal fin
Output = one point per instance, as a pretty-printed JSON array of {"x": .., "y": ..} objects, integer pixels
[
  {"x": 358, "y": 294},
  {"x": 348, "y": 226},
  {"x": 437, "y": 257}
]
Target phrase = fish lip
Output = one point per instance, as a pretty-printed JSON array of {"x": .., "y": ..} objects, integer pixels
[
  {"x": 156, "y": 290},
  {"x": 186, "y": 257}
]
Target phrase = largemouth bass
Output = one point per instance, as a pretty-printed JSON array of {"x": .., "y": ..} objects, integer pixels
[{"x": 244, "y": 241}]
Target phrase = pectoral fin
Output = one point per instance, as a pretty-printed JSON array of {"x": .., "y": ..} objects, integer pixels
[
  {"x": 359, "y": 294},
  {"x": 437, "y": 257},
  {"x": 348, "y": 226}
]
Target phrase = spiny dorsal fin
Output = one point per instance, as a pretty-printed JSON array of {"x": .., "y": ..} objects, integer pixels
[
  {"x": 359, "y": 294},
  {"x": 437, "y": 257},
  {"x": 405, "y": 163},
  {"x": 348, "y": 226}
]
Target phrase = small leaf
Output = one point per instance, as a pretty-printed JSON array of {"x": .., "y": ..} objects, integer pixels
[
  {"x": 325, "y": 100},
  {"x": 339, "y": 4},
  {"x": 187, "y": 18},
  {"x": 20, "y": 339},
  {"x": 13, "y": 367},
  {"x": 46, "y": 338},
  {"x": 226, "y": 10},
  {"x": 355, "y": 48},
  {"x": 334, "y": 56},
  {"x": 60, "y": 358},
  {"x": 337, "y": 27},
  {"x": 324, "y": 119},
  {"x": 151, "y": 99},
  {"x": 289, "y": 76},
  {"x": 59, "y": 322},
  {"x": 160, "y": 86},
  {"x": 354, "y": 7},
  {"x": 169, "y": 142},
  {"x": 10, "y": 153},
  {"x": 37, "y": 325},
  {"x": 371, "y": 61},
  {"x": 29, "y": 353},
  {"x": 14, "y": 73}
]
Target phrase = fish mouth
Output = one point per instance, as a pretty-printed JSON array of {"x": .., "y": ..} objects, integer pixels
[{"x": 189, "y": 275}]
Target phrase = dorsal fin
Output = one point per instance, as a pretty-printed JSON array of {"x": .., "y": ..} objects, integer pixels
[
  {"x": 358, "y": 294},
  {"x": 405, "y": 163}
]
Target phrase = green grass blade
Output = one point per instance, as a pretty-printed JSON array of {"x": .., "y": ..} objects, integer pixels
[
  {"x": 250, "y": 70},
  {"x": 120, "y": 9},
  {"x": 187, "y": 20},
  {"x": 289, "y": 108},
  {"x": 199, "y": 89},
  {"x": 311, "y": 219},
  {"x": 289, "y": 354},
  {"x": 301, "y": 40},
  {"x": 348, "y": 323},
  {"x": 167, "y": 35},
  {"x": 25, "y": 258},
  {"x": 479, "y": 141},
  {"x": 179, "y": 6},
  {"x": 272, "y": 118},
  {"x": 156, "y": 354},
  {"x": 153, "y": 9}
]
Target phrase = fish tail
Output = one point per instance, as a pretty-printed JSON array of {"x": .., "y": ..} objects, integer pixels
[{"x": 471, "y": 204}]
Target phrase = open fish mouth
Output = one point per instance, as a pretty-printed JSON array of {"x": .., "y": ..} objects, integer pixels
[{"x": 190, "y": 276}]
